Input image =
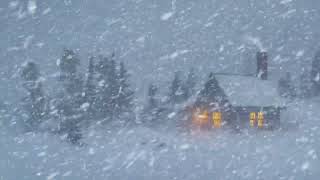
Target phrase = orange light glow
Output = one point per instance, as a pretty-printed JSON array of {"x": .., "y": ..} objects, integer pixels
[
  {"x": 252, "y": 119},
  {"x": 260, "y": 119},
  {"x": 200, "y": 118},
  {"x": 216, "y": 116}
]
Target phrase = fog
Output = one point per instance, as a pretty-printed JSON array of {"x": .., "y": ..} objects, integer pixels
[{"x": 156, "y": 41}]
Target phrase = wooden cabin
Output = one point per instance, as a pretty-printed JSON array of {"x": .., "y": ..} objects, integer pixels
[{"x": 240, "y": 101}]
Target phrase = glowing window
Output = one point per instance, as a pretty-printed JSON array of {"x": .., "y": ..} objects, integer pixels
[
  {"x": 204, "y": 116},
  {"x": 216, "y": 116},
  {"x": 201, "y": 118},
  {"x": 252, "y": 119},
  {"x": 260, "y": 119}
]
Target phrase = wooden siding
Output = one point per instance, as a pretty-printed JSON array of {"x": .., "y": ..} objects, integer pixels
[{"x": 271, "y": 116}]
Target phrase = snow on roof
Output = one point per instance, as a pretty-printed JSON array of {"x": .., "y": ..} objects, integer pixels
[{"x": 249, "y": 91}]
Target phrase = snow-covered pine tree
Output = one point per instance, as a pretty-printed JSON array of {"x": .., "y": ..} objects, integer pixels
[
  {"x": 175, "y": 90},
  {"x": 34, "y": 103},
  {"x": 103, "y": 93},
  {"x": 153, "y": 112},
  {"x": 108, "y": 87},
  {"x": 69, "y": 104},
  {"x": 286, "y": 87},
  {"x": 68, "y": 64},
  {"x": 90, "y": 92},
  {"x": 211, "y": 92},
  {"x": 315, "y": 75},
  {"x": 305, "y": 84},
  {"x": 113, "y": 80},
  {"x": 189, "y": 84},
  {"x": 124, "y": 99}
]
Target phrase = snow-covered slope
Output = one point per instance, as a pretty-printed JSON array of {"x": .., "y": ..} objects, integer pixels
[{"x": 141, "y": 153}]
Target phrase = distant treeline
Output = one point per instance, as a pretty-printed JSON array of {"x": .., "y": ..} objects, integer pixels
[{"x": 103, "y": 94}]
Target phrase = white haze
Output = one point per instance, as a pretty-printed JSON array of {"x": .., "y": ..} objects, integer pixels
[
  {"x": 155, "y": 39},
  {"x": 142, "y": 153}
]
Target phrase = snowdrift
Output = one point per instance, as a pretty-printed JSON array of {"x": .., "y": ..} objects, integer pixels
[{"x": 142, "y": 153}]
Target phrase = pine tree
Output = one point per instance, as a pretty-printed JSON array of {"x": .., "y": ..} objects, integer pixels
[
  {"x": 211, "y": 92},
  {"x": 69, "y": 104},
  {"x": 35, "y": 102},
  {"x": 189, "y": 84},
  {"x": 108, "y": 87},
  {"x": 315, "y": 74},
  {"x": 103, "y": 89},
  {"x": 175, "y": 91},
  {"x": 30, "y": 72},
  {"x": 113, "y": 80},
  {"x": 68, "y": 64},
  {"x": 125, "y": 93},
  {"x": 152, "y": 111},
  {"x": 305, "y": 84},
  {"x": 285, "y": 86},
  {"x": 90, "y": 91}
]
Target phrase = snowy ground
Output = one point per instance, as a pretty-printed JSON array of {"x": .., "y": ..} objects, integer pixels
[{"x": 140, "y": 153}]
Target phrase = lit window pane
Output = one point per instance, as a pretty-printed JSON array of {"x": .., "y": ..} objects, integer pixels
[
  {"x": 216, "y": 116},
  {"x": 260, "y": 119},
  {"x": 252, "y": 119}
]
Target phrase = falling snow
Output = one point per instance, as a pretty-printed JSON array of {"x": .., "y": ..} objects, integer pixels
[
  {"x": 32, "y": 6},
  {"x": 167, "y": 16},
  {"x": 135, "y": 98}
]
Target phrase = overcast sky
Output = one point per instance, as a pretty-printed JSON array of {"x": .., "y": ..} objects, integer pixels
[{"x": 157, "y": 37}]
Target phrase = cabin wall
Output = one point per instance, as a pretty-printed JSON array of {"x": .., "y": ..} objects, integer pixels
[
  {"x": 271, "y": 116},
  {"x": 239, "y": 117}
]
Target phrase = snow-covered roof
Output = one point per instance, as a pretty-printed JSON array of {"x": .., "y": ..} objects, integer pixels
[{"x": 250, "y": 91}]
